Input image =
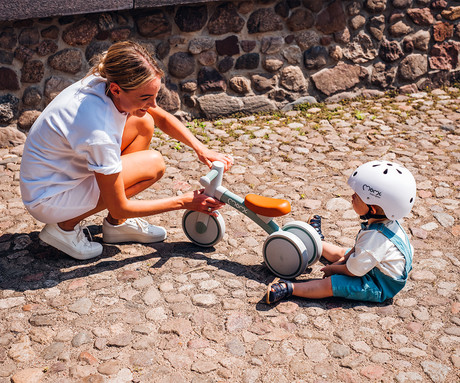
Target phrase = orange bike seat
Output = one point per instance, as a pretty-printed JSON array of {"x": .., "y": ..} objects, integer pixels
[{"x": 266, "y": 206}]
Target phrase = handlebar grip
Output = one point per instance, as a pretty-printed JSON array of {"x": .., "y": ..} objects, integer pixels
[{"x": 207, "y": 179}]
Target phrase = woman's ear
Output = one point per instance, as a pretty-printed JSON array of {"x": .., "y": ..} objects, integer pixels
[{"x": 114, "y": 88}]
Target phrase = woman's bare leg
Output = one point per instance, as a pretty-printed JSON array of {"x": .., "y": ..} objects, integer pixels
[{"x": 135, "y": 154}]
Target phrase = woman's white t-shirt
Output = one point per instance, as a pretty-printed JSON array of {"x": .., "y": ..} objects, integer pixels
[{"x": 77, "y": 134}]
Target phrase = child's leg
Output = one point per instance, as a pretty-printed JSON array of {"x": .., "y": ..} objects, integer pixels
[
  {"x": 314, "y": 288},
  {"x": 333, "y": 253}
]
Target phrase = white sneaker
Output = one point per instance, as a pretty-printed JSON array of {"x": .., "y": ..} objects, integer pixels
[
  {"x": 132, "y": 230},
  {"x": 74, "y": 243}
]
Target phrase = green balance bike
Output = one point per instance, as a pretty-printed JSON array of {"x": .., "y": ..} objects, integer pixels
[{"x": 287, "y": 251}]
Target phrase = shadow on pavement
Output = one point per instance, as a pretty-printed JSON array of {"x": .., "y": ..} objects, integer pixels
[{"x": 38, "y": 267}]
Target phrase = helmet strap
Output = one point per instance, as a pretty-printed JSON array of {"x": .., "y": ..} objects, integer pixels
[{"x": 371, "y": 214}]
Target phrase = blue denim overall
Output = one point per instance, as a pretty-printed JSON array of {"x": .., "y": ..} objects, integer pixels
[{"x": 375, "y": 286}]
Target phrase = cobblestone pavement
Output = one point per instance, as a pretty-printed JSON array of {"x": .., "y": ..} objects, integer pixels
[{"x": 174, "y": 312}]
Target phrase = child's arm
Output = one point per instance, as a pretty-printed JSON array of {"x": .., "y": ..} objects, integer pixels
[
  {"x": 343, "y": 259},
  {"x": 336, "y": 269}
]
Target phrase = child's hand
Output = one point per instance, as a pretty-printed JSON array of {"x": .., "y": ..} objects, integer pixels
[{"x": 328, "y": 271}]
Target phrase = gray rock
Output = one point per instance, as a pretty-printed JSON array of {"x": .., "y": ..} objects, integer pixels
[
  {"x": 376, "y": 6},
  {"x": 191, "y": 18},
  {"x": 240, "y": 85},
  {"x": 200, "y": 44},
  {"x": 204, "y": 300},
  {"x": 331, "y": 19},
  {"x": 28, "y": 375},
  {"x": 292, "y": 78},
  {"x": 235, "y": 347},
  {"x": 361, "y": 49},
  {"x": 53, "y": 351},
  {"x": 82, "y": 306},
  {"x": 54, "y": 85},
  {"x": 264, "y": 20},
  {"x": 67, "y": 60},
  {"x": 300, "y": 19},
  {"x": 81, "y": 338},
  {"x": 315, "y": 57},
  {"x": 225, "y": 19},
  {"x": 292, "y": 54},
  {"x": 338, "y": 350},
  {"x": 181, "y": 65},
  {"x": 307, "y": 39},
  {"x": 8, "y": 107},
  {"x": 10, "y": 136},
  {"x": 120, "y": 340},
  {"x": 446, "y": 220},
  {"x": 436, "y": 371},
  {"x": 32, "y": 96},
  {"x": 153, "y": 24},
  {"x": 27, "y": 118},
  {"x": 271, "y": 45},
  {"x": 299, "y": 101},
  {"x": 80, "y": 33},
  {"x": 339, "y": 78},
  {"x": 412, "y": 67}
]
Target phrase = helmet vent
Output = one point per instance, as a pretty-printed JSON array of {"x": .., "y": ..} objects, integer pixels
[
  {"x": 399, "y": 171},
  {"x": 354, "y": 174},
  {"x": 411, "y": 200},
  {"x": 385, "y": 171},
  {"x": 375, "y": 165}
]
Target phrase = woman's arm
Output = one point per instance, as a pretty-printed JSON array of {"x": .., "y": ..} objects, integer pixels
[
  {"x": 175, "y": 129},
  {"x": 113, "y": 198}
]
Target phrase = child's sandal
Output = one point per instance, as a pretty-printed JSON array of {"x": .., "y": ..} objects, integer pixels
[
  {"x": 315, "y": 222},
  {"x": 281, "y": 289}
]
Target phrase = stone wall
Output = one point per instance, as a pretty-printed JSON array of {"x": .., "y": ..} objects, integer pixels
[{"x": 247, "y": 56}]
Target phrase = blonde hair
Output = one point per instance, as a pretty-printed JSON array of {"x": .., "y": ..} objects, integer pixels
[{"x": 127, "y": 64}]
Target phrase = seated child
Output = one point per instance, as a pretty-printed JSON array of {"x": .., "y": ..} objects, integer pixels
[{"x": 376, "y": 268}]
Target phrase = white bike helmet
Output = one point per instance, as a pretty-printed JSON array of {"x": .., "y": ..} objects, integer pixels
[{"x": 387, "y": 185}]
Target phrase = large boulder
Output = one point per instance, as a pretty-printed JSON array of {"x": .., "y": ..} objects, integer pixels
[{"x": 339, "y": 78}]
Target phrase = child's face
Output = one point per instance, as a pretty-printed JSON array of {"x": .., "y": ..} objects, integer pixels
[{"x": 358, "y": 205}]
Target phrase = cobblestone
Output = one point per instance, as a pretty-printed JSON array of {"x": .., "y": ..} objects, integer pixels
[{"x": 174, "y": 312}]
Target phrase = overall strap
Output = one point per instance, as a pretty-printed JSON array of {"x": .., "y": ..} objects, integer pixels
[{"x": 402, "y": 245}]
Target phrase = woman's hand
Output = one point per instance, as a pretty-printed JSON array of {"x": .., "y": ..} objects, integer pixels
[
  {"x": 208, "y": 156},
  {"x": 199, "y": 201}
]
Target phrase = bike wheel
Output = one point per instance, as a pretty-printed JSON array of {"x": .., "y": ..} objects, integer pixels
[
  {"x": 202, "y": 229},
  {"x": 285, "y": 254},
  {"x": 309, "y": 236}
]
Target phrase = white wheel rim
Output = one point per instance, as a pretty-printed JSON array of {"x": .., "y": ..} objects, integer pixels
[
  {"x": 285, "y": 254},
  {"x": 310, "y": 238},
  {"x": 203, "y": 236}
]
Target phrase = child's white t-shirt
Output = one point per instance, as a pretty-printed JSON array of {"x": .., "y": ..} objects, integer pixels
[
  {"x": 373, "y": 249},
  {"x": 77, "y": 134}
]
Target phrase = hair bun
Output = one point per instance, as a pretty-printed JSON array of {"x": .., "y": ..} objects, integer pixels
[{"x": 101, "y": 69}]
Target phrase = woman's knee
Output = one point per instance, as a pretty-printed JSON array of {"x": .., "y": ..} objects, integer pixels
[
  {"x": 159, "y": 167},
  {"x": 137, "y": 134}
]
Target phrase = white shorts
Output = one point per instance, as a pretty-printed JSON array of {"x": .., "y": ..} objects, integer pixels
[{"x": 69, "y": 204}]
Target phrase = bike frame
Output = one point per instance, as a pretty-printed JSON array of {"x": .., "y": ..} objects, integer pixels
[{"x": 212, "y": 183}]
